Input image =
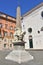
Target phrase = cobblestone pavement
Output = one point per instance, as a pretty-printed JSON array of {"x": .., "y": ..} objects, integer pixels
[{"x": 38, "y": 58}]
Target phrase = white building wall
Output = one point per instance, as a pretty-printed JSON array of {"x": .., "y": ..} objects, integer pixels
[{"x": 34, "y": 21}]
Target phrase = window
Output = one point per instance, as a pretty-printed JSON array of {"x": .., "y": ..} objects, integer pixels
[
  {"x": 11, "y": 34},
  {"x": 10, "y": 45},
  {"x": 0, "y": 25},
  {"x": 4, "y": 45},
  {"x": 11, "y": 40},
  {"x": 42, "y": 29},
  {"x": 23, "y": 26},
  {"x": 0, "y": 31},
  {"x": 14, "y": 28},
  {"x": 29, "y": 30},
  {"x": 6, "y": 26},
  {"x": 11, "y": 27},
  {"x": 5, "y": 40},
  {"x": 38, "y": 31},
  {"x": 30, "y": 41},
  {"x": 5, "y": 33},
  {"x": 42, "y": 13}
]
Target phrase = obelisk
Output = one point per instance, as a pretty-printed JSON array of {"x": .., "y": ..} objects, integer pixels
[
  {"x": 18, "y": 18},
  {"x": 19, "y": 54}
]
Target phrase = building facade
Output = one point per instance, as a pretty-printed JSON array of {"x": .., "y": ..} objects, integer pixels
[
  {"x": 7, "y": 29},
  {"x": 32, "y": 23}
]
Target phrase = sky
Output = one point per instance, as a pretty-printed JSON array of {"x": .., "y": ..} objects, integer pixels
[{"x": 9, "y": 6}]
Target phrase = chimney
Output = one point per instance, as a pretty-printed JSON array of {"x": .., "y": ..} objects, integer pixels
[{"x": 18, "y": 18}]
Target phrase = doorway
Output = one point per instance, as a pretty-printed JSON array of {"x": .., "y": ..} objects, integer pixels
[{"x": 30, "y": 41}]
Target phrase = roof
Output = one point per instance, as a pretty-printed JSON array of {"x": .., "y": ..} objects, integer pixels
[
  {"x": 7, "y": 14},
  {"x": 7, "y": 17},
  {"x": 29, "y": 12}
]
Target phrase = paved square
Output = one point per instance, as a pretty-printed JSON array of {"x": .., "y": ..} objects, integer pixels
[{"x": 38, "y": 58}]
